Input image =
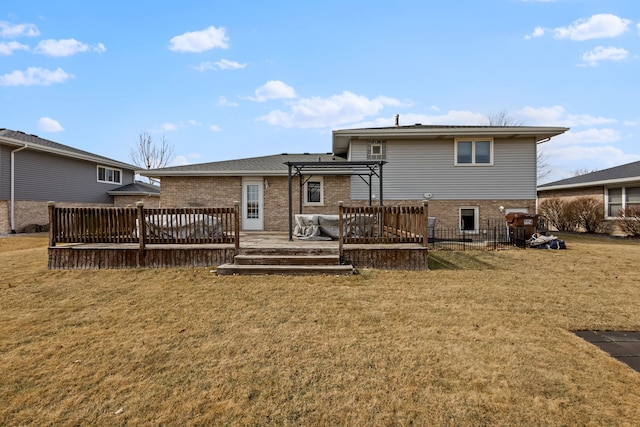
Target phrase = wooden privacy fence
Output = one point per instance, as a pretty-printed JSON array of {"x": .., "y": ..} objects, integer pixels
[
  {"x": 383, "y": 224},
  {"x": 144, "y": 226}
]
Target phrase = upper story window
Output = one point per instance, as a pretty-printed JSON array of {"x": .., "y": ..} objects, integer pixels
[
  {"x": 377, "y": 150},
  {"x": 109, "y": 175},
  {"x": 473, "y": 152},
  {"x": 314, "y": 191}
]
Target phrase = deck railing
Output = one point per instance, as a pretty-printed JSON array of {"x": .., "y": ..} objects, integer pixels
[
  {"x": 383, "y": 224},
  {"x": 144, "y": 225}
]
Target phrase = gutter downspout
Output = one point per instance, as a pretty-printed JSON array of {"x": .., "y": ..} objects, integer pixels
[{"x": 13, "y": 187}]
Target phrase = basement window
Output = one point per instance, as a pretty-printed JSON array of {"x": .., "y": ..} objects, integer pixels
[
  {"x": 469, "y": 219},
  {"x": 313, "y": 192}
]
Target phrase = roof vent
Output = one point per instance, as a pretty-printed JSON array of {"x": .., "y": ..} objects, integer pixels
[
  {"x": 284, "y": 154},
  {"x": 397, "y": 120},
  {"x": 306, "y": 154},
  {"x": 418, "y": 124}
]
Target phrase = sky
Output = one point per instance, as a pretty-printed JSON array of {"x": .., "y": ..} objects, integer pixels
[{"x": 222, "y": 80}]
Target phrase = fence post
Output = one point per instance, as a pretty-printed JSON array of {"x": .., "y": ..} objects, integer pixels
[
  {"x": 236, "y": 224},
  {"x": 142, "y": 229},
  {"x": 340, "y": 229},
  {"x": 425, "y": 235},
  {"x": 52, "y": 223}
]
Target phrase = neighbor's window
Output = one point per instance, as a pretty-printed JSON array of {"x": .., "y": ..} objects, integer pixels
[
  {"x": 313, "y": 191},
  {"x": 109, "y": 175},
  {"x": 615, "y": 201},
  {"x": 377, "y": 150},
  {"x": 469, "y": 219},
  {"x": 620, "y": 199},
  {"x": 474, "y": 152},
  {"x": 633, "y": 197}
]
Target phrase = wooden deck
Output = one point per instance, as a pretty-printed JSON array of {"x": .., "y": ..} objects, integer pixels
[{"x": 404, "y": 256}]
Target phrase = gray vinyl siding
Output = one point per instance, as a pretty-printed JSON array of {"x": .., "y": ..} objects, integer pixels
[
  {"x": 43, "y": 177},
  {"x": 5, "y": 161},
  {"x": 417, "y": 167}
]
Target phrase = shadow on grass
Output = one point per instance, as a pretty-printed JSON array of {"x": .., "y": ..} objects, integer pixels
[{"x": 451, "y": 260}]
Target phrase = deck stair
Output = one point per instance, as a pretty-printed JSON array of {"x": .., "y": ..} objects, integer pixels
[{"x": 294, "y": 261}]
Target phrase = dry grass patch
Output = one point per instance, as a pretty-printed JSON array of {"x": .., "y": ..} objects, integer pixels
[{"x": 484, "y": 346}]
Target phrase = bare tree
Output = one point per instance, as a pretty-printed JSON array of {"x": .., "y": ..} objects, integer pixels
[
  {"x": 504, "y": 118},
  {"x": 148, "y": 154},
  {"x": 582, "y": 171}
]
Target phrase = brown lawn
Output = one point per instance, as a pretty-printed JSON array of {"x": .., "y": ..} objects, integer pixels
[{"x": 490, "y": 344}]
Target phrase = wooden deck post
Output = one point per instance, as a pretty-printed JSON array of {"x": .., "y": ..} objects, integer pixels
[
  {"x": 236, "y": 224},
  {"x": 142, "y": 229},
  {"x": 340, "y": 229},
  {"x": 425, "y": 221},
  {"x": 52, "y": 223}
]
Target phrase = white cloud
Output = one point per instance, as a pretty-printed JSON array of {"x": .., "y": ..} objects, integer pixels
[
  {"x": 9, "y": 30},
  {"x": 589, "y": 136},
  {"x": 47, "y": 124},
  {"x": 274, "y": 89},
  {"x": 317, "y": 112},
  {"x": 8, "y": 48},
  {"x": 223, "y": 102},
  {"x": 223, "y": 64},
  {"x": 66, "y": 47},
  {"x": 452, "y": 117},
  {"x": 215, "y": 128},
  {"x": 609, "y": 155},
  {"x": 601, "y": 53},
  {"x": 557, "y": 116},
  {"x": 537, "y": 32},
  {"x": 597, "y": 27},
  {"x": 169, "y": 127},
  {"x": 199, "y": 41},
  {"x": 35, "y": 76},
  {"x": 630, "y": 123},
  {"x": 182, "y": 160}
]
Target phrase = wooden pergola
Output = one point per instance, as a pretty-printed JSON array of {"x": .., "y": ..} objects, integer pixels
[{"x": 365, "y": 169}]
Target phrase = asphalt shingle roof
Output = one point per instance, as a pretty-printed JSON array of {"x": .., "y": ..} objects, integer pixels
[
  {"x": 45, "y": 144},
  {"x": 627, "y": 171},
  {"x": 274, "y": 163},
  {"x": 137, "y": 187}
]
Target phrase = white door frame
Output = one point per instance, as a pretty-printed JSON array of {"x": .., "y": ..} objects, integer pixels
[{"x": 252, "y": 216}]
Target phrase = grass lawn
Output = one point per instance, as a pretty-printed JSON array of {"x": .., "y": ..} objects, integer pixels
[{"x": 489, "y": 343}]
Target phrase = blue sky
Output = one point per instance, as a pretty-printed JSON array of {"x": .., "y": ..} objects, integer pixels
[{"x": 224, "y": 80}]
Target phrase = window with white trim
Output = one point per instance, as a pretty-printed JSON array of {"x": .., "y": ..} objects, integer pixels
[
  {"x": 314, "y": 191},
  {"x": 469, "y": 218},
  {"x": 622, "y": 198},
  {"x": 377, "y": 150},
  {"x": 109, "y": 175},
  {"x": 473, "y": 152}
]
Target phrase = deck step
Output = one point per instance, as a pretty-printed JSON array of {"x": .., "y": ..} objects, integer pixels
[
  {"x": 281, "y": 251},
  {"x": 287, "y": 260},
  {"x": 294, "y": 270}
]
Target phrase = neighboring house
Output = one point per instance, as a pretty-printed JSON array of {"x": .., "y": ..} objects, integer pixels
[
  {"x": 468, "y": 173},
  {"x": 617, "y": 188},
  {"x": 34, "y": 170},
  {"x": 130, "y": 194}
]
